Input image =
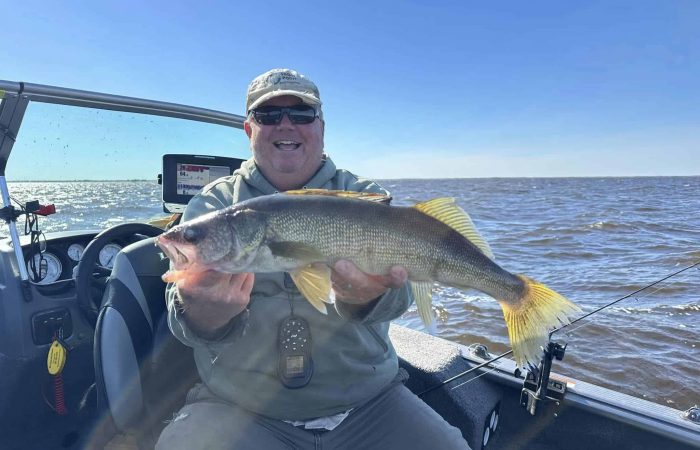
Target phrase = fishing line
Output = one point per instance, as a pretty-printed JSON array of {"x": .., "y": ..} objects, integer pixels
[
  {"x": 502, "y": 355},
  {"x": 466, "y": 372},
  {"x": 626, "y": 297},
  {"x": 584, "y": 325},
  {"x": 486, "y": 372}
]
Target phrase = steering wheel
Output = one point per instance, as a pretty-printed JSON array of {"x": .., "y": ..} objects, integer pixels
[{"x": 84, "y": 278}]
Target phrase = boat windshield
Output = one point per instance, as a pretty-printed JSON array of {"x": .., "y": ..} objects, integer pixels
[
  {"x": 99, "y": 167},
  {"x": 62, "y": 142}
]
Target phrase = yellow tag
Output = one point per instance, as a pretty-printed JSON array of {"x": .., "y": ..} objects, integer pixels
[
  {"x": 57, "y": 358},
  {"x": 2, "y": 94}
]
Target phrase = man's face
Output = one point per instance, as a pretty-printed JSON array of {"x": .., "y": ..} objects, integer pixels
[{"x": 287, "y": 154}]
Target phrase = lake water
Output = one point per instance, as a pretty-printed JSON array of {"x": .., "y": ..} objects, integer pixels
[{"x": 592, "y": 239}]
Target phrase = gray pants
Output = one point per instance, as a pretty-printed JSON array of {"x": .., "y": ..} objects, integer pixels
[{"x": 395, "y": 419}]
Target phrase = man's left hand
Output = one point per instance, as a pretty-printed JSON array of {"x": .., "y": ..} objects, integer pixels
[{"x": 353, "y": 286}]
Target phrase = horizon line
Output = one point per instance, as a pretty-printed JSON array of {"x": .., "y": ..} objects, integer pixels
[{"x": 393, "y": 179}]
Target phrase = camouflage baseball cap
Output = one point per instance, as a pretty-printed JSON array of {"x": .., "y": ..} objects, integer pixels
[{"x": 279, "y": 82}]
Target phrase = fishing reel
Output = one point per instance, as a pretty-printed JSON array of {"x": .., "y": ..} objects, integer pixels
[{"x": 538, "y": 387}]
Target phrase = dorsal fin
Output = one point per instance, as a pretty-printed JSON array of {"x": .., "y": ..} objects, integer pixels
[
  {"x": 369, "y": 196},
  {"x": 446, "y": 211}
]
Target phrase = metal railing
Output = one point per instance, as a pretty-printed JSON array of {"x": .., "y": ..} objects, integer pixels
[{"x": 87, "y": 99}]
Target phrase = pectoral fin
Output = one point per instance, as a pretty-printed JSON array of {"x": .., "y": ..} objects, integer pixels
[
  {"x": 173, "y": 276},
  {"x": 423, "y": 296},
  {"x": 314, "y": 282}
]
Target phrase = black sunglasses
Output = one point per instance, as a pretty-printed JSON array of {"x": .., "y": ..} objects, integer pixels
[{"x": 272, "y": 115}]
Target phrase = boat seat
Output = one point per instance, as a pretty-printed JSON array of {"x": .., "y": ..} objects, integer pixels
[{"x": 142, "y": 371}]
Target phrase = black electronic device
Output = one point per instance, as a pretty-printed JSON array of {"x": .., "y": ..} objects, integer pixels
[
  {"x": 295, "y": 365},
  {"x": 185, "y": 175}
]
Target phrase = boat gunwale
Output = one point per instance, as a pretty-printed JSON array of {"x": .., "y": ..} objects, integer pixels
[{"x": 644, "y": 414}]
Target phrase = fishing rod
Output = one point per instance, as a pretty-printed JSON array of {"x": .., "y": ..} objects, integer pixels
[
  {"x": 626, "y": 297},
  {"x": 466, "y": 372},
  {"x": 553, "y": 350}
]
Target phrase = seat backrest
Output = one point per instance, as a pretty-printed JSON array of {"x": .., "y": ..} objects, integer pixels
[{"x": 142, "y": 371}]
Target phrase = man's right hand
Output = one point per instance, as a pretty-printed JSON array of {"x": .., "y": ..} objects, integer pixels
[{"x": 211, "y": 299}]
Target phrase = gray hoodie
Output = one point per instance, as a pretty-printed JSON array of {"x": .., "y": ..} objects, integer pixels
[{"x": 354, "y": 359}]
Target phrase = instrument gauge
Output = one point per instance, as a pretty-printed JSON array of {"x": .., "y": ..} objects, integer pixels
[
  {"x": 46, "y": 268},
  {"x": 75, "y": 252},
  {"x": 107, "y": 255}
]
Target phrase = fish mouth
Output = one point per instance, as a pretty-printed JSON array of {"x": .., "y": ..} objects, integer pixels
[
  {"x": 286, "y": 144},
  {"x": 180, "y": 255}
]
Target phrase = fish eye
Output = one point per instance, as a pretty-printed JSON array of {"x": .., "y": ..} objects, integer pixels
[{"x": 191, "y": 235}]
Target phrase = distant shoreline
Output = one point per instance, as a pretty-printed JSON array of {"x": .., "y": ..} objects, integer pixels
[
  {"x": 402, "y": 179},
  {"x": 74, "y": 181}
]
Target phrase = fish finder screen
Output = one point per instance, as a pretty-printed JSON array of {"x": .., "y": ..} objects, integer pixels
[{"x": 191, "y": 178}]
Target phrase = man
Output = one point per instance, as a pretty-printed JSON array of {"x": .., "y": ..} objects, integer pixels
[{"x": 346, "y": 390}]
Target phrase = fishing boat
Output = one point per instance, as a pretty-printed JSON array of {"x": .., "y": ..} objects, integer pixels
[{"x": 87, "y": 360}]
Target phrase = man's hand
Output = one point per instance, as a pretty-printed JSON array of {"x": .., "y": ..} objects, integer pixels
[
  {"x": 353, "y": 286},
  {"x": 211, "y": 299}
]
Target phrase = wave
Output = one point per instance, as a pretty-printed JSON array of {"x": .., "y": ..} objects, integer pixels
[
  {"x": 680, "y": 309},
  {"x": 686, "y": 258},
  {"x": 624, "y": 286},
  {"x": 603, "y": 225}
]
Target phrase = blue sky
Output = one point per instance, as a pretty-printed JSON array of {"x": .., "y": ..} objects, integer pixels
[{"x": 410, "y": 89}]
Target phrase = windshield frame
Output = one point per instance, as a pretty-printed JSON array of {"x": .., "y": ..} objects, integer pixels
[{"x": 16, "y": 96}]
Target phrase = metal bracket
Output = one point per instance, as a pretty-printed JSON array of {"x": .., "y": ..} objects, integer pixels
[
  {"x": 9, "y": 213},
  {"x": 11, "y": 115},
  {"x": 7, "y": 133},
  {"x": 14, "y": 236},
  {"x": 480, "y": 351},
  {"x": 538, "y": 388},
  {"x": 692, "y": 414}
]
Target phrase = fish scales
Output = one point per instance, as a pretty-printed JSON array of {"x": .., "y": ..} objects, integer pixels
[{"x": 376, "y": 236}]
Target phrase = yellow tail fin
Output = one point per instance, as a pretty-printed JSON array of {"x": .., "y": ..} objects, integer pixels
[{"x": 529, "y": 322}]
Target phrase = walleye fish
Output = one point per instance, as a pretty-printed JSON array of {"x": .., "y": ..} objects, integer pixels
[{"x": 306, "y": 232}]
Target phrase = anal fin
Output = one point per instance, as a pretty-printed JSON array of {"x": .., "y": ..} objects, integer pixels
[{"x": 423, "y": 296}]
